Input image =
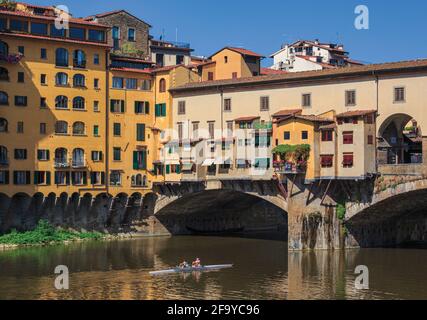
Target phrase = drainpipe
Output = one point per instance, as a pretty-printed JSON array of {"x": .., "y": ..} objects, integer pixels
[
  {"x": 377, "y": 108},
  {"x": 107, "y": 126},
  {"x": 221, "y": 90}
]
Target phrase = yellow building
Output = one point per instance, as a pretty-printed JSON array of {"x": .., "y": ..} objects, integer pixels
[{"x": 52, "y": 96}]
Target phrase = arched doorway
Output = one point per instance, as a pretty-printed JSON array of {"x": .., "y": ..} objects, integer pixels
[{"x": 400, "y": 141}]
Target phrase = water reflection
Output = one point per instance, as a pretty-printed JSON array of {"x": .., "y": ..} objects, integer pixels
[{"x": 119, "y": 270}]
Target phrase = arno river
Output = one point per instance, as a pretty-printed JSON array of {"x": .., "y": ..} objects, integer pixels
[{"x": 263, "y": 270}]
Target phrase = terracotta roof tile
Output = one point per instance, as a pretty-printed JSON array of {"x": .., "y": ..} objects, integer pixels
[
  {"x": 287, "y": 112},
  {"x": 311, "y": 118},
  {"x": 267, "y": 71},
  {"x": 247, "y": 119},
  {"x": 242, "y": 51},
  {"x": 355, "y": 113}
]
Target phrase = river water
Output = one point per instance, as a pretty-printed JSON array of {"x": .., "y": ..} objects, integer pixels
[{"x": 263, "y": 269}]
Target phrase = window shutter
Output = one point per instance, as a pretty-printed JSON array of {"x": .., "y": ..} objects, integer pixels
[
  {"x": 101, "y": 156},
  {"x": 6, "y": 177},
  {"x": 168, "y": 169},
  {"x": 92, "y": 178},
  {"x": 147, "y": 107},
  {"x": 164, "y": 110},
  {"x": 178, "y": 169},
  {"x": 157, "y": 110},
  {"x": 256, "y": 141},
  {"x": 93, "y": 155},
  {"x": 39, "y": 154},
  {"x": 122, "y": 109},
  {"x": 15, "y": 177},
  {"x": 136, "y": 107},
  {"x": 36, "y": 175},
  {"x": 84, "y": 177},
  {"x": 135, "y": 160},
  {"x": 140, "y": 132},
  {"x": 111, "y": 105},
  {"x": 144, "y": 160},
  {"x": 67, "y": 178},
  {"x": 28, "y": 177},
  {"x": 48, "y": 178},
  {"x": 102, "y": 177},
  {"x": 47, "y": 154}
]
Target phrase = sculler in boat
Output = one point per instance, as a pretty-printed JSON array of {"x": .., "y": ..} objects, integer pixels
[
  {"x": 184, "y": 265},
  {"x": 197, "y": 263}
]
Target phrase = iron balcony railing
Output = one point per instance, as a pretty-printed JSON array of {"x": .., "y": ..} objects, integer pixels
[
  {"x": 4, "y": 161},
  {"x": 61, "y": 163},
  {"x": 79, "y": 163}
]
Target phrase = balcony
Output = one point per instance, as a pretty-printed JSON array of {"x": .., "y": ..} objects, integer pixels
[
  {"x": 287, "y": 167},
  {"x": 79, "y": 163},
  {"x": 263, "y": 125},
  {"x": 61, "y": 163},
  {"x": 11, "y": 58}
]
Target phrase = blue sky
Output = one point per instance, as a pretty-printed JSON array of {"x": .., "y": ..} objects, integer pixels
[{"x": 394, "y": 32}]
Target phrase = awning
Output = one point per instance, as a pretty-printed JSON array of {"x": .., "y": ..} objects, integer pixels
[
  {"x": 223, "y": 161},
  {"x": 172, "y": 162},
  {"x": 187, "y": 166},
  {"x": 208, "y": 162},
  {"x": 243, "y": 161}
]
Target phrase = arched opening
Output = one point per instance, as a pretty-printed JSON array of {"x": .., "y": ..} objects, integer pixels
[
  {"x": 61, "y": 127},
  {"x": 61, "y": 79},
  {"x": 61, "y": 102},
  {"x": 4, "y": 99},
  {"x": 78, "y": 158},
  {"x": 162, "y": 85},
  {"x": 3, "y": 125},
  {"x": 223, "y": 212},
  {"x": 79, "y": 59},
  {"x": 61, "y": 57},
  {"x": 400, "y": 141},
  {"x": 61, "y": 158},
  {"x": 79, "y": 80},
  {"x": 79, "y": 103},
  {"x": 4, "y": 74},
  {"x": 4, "y": 158},
  {"x": 4, "y": 48},
  {"x": 78, "y": 128}
]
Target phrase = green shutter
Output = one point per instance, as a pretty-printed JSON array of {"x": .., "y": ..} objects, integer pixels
[
  {"x": 256, "y": 140},
  {"x": 48, "y": 178},
  {"x": 144, "y": 160},
  {"x": 122, "y": 106},
  {"x": 168, "y": 169},
  {"x": 112, "y": 105},
  {"x": 157, "y": 110},
  {"x": 136, "y": 107},
  {"x": 140, "y": 132},
  {"x": 147, "y": 107},
  {"x": 36, "y": 173},
  {"x": 103, "y": 178},
  {"x": 178, "y": 169},
  {"x": 164, "y": 110},
  {"x": 84, "y": 178},
  {"x": 135, "y": 160},
  {"x": 6, "y": 177},
  {"x": 28, "y": 174}
]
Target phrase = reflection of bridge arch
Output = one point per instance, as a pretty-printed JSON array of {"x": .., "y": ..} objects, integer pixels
[
  {"x": 400, "y": 141},
  {"x": 394, "y": 216}
]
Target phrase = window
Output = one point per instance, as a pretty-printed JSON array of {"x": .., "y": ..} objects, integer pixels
[
  {"x": 195, "y": 130},
  {"x": 146, "y": 85},
  {"x": 210, "y": 76},
  {"x": 62, "y": 178},
  {"x": 21, "y": 77},
  {"x": 180, "y": 131},
  {"x": 4, "y": 48},
  {"x": 117, "y": 129},
  {"x": 96, "y": 35},
  {"x": 116, "y": 38},
  {"x": 79, "y": 103},
  {"x": 399, "y": 94},
  {"x": 79, "y": 59},
  {"x": 78, "y": 128},
  {"x": 21, "y": 50},
  {"x": 370, "y": 139},
  {"x": 225, "y": 59},
  {"x": 162, "y": 85},
  {"x": 97, "y": 156},
  {"x": 96, "y": 83},
  {"x": 3, "y": 24},
  {"x": 20, "y": 101},
  {"x": 140, "y": 132},
  {"x": 4, "y": 177},
  {"x": 179, "y": 59},
  {"x": 61, "y": 57},
  {"x": 115, "y": 178},
  {"x": 96, "y": 131},
  {"x": 227, "y": 105},
  {"x": 3, "y": 125},
  {"x": 211, "y": 126},
  {"x": 117, "y": 106},
  {"x": 230, "y": 129},
  {"x": 20, "y": 154},
  {"x": 118, "y": 83},
  {"x": 21, "y": 177},
  {"x": 4, "y": 158},
  {"x": 78, "y": 158},
  {"x": 348, "y": 137},
  {"x": 350, "y": 98},
  {"x": 4, "y": 74},
  {"x": 79, "y": 80},
  {"x": 140, "y": 160},
  {"x": 348, "y": 160},
  {"x": 160, "y": 59},
  {"x": 18, "y": 25},
  {"x": 97, "y": 178},
  {"x": 262, "y": 164},
  {"x": 131, "y": 84},
  {"x": 131, "y": 34},
  {"x": 234, "y": 75},
  {"x": 20, "y": 127},
  {"x": 142, "y": 107},
  {"x": 262, "y": 141},
  {"x": 43, "y": 79},
  {"x": 61, "y": 127},
  {"x": 77, "y": 33},
  {"x": 287, "y": 135},
  {"x": 42, "y": 128},
  {"x": 43, "y": 155},
  {"x": 42, "y": 177},
  {"x": 79, "y": 178},
  {"x": 43, "y": 53},
  {"x": 61, "y": 158},
  {"x": 61, "y": 102},
  {"x": 96, "y": 59},
  {"x": 117, "y": 154},
  {"x": 327, "y": 135},
  {"x": 369, "y": 119},
  {"x": 181, "y": 107},
  {"x": 265, "y": 103},
  {"x": 43, "y": 103},
  {"x": 160, "y": 110},
  {"x": 139, "y": 180},
  {"x": 4, "y": 98},
  {"x": 39, "y": 28},
  {"x": 61, "y": 79},
  {"x": 326, "y": 161},
  {"x": 96, "y": 106},
  {"x": 57, "y": 33},
  {"x": 306, "y": 100},
  {"x": 304, "y": 135}
]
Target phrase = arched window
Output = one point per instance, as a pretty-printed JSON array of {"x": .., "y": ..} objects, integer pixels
[
  {"x": 78, "y": 128},
  {"x": 4, "y": 74},
  {"x": 3, "y": 125},
  {"x": 61, "y": 56},
  {"x": 61, "y": 155},
  {"x": 138, "y": 179},
  {"x": 4, "y": 48},
  {"x": 78, "y": 158},
  {"x": 61, "y": 102},
  {"x": 61, "y": 79},
  {"x": 3, "y": 155},
  {"x": 144, "y": 181},
  {"x": 79, "y": 59},
  {"x": 79, "y": 80},
  {"x": 162, "y": 85},
  {"x": 4, "y": 98},
  {"x": 79, "y": 103},
  {"x": 61, "y": 127}
]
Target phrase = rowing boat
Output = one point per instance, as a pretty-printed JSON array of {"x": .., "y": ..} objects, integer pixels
[{"x": 192, "y": 269}]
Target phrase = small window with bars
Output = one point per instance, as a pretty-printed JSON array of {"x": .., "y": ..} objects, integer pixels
[
  {"x": 265, "y": 103},
  {"x": 181, "y": 107},
  {"x": 227, "y": 105},
  {"x": 399, "y": 94},
  {"x": 350, "y": 98},
  {"x": 306, "y": 100}
]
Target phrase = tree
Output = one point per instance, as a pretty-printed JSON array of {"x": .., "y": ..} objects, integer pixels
[{"x": 8, "y": 4}]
